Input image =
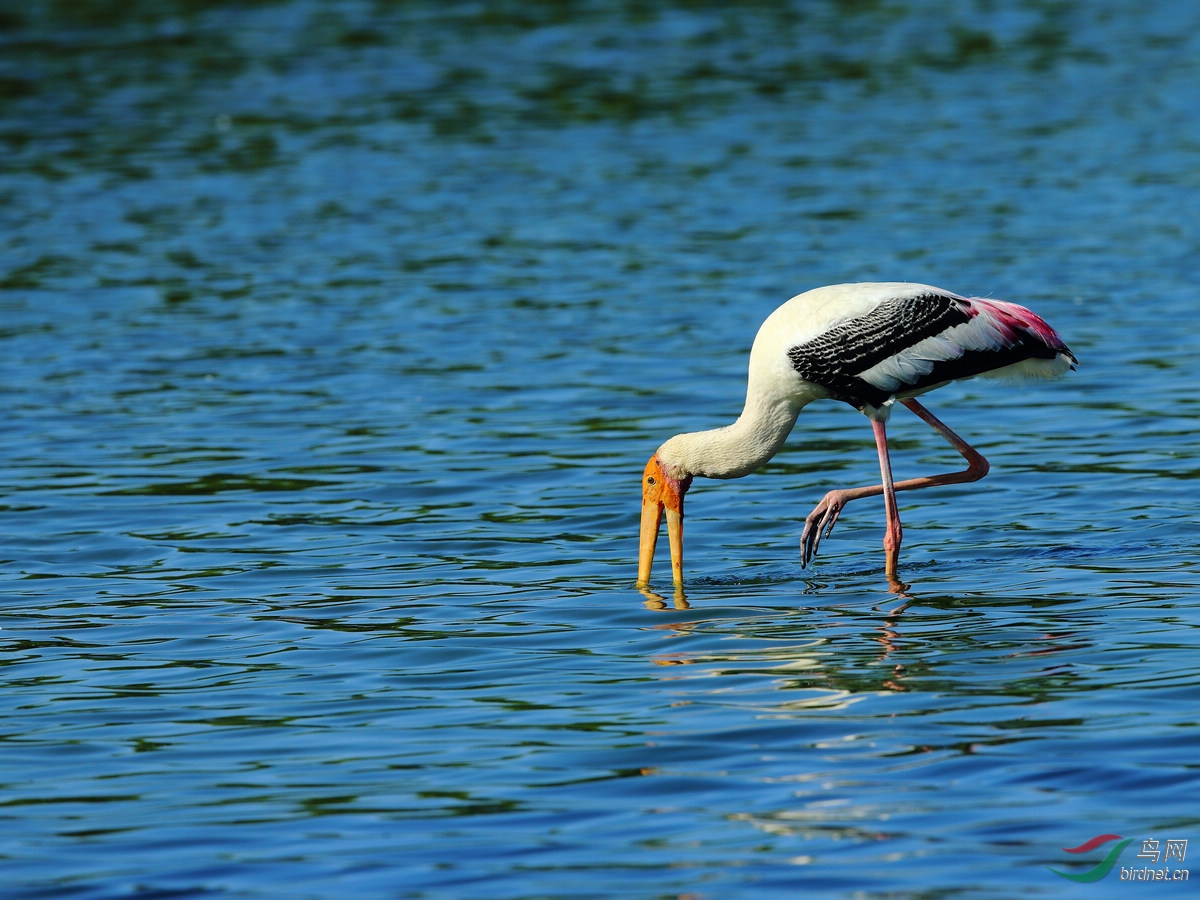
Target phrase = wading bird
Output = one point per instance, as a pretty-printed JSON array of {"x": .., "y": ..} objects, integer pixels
[{"x": 868, "y": 345}]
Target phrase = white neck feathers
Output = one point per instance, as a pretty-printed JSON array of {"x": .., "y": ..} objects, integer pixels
[{"x": 772, "y": 405}]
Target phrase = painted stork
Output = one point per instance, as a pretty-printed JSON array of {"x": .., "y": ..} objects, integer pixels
[{"x": 868, "y": 345}]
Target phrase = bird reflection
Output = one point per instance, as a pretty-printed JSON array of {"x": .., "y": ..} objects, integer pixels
[
  {"x": 658, "y": 601},
  {"x": 887, "y": 634}
]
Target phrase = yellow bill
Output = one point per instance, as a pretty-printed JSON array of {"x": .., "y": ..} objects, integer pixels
[{"x": 661, "y": 495}]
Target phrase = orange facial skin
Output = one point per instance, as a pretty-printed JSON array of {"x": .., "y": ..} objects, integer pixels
[{"x": 661, "y": 494}]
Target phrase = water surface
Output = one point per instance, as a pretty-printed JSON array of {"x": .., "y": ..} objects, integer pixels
[{"x": 333, "y": 339}]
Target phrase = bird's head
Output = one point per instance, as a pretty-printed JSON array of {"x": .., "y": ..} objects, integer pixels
[{"x": 661, "y": 493}]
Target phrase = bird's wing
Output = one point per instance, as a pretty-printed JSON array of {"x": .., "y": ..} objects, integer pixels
[{"x": 907, "y": 345}]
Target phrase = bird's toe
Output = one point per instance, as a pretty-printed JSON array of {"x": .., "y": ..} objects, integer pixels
[{"x": 818, "y": 525}]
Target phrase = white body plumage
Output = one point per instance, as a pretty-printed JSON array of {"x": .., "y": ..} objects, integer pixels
[{"x": 777, "y": 391}]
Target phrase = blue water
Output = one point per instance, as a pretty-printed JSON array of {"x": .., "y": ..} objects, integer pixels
[{"x": 334, "y": 337}]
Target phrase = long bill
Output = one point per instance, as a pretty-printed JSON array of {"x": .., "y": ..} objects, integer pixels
[{"x": 661, "y": 495}]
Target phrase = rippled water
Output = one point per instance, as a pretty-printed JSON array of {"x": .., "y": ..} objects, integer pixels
[{"x": 334, "y": 337}]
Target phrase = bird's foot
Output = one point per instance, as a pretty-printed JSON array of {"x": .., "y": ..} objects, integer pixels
[{"x": 819, "y": 523}]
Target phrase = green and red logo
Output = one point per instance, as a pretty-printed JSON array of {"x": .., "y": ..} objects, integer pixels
[
  {"x": 1103, "y": 867},
  {"x": 1159, "y": 853}
]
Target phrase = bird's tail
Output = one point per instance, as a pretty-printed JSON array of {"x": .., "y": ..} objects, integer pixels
[{"x": 1049, "y": 355}]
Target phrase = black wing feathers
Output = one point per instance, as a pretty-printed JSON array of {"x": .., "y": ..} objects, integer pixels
[{"x": 835, "y": 358}]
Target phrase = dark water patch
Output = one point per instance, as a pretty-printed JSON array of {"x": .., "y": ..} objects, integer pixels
[{"x": 221, "y": 482}]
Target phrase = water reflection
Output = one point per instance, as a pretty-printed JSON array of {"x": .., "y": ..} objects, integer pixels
[
  {"x": 658, "y": 602},
  {"x": 325, "y": 332}
]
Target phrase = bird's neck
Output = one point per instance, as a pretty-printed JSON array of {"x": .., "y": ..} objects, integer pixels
[{"x": 737, "y": 449}]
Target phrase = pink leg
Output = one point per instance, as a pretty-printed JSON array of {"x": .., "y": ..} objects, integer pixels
[
  {"x": 894, "y": 533},
  {"x": 821, "y": 520}
]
